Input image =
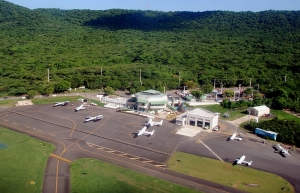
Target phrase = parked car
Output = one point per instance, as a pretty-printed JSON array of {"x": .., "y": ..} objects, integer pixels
[{"x": 216, "y": 128}]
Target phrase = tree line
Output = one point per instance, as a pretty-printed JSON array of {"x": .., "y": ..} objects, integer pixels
[{"x": 171, "y": 49}]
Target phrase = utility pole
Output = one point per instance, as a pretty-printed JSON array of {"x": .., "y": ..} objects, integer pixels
[
  {"x": 221, "y": 88},
  {"x": 214, "y": 84},
  {"x": 101, "y": 71},
  {"x": 284, "y": 78},
  {"x": 257, "y": 87},
  {"x": 239, "y": 91},
  {"x": 250, "y": 82},
  {"x": 179, "y": 79},
  {"x": 48, "y": 75},
  {"x": 141, "y": 77}
]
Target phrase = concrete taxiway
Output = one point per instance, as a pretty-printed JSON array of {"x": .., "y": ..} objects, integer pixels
[{"x": 112, "y": 139}]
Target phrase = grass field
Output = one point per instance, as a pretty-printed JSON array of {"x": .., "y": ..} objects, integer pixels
[
  {"x": 104, "y": 177},
  {"x": 47, "y": 100},
  {"x": 23, "y": 159},
  {"x": 283, "y": 115},
  {"x": 227, "y": 174},
  {"x": 8, "y": 103},
  {"x": 234, "y": 114}
]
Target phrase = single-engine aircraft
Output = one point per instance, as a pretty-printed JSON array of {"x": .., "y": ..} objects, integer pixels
[
  {"x": 61, "y": 103},
  {"x": 233, "y": 137},
  {"x": 241, "y": 160},
  {"x": 151, "y": 123},
  {"x": 81, "y": 107},
  {"x": 96, "y": 118},
  {"x": 282, "y": 150},
  {"x": 144, "y": 132}
]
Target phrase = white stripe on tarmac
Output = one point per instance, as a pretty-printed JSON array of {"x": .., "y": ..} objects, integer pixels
[{"x": 211, "y": 151}]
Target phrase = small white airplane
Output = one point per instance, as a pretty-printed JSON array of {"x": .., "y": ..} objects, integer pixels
[
  {"x": 96, "y": 118},
  {"x": 282, "y": 150},
  {"x": 144, "y": 132},
  {"x": 81, "y": 107},
  {"x": 151, "y": 123},
  {"x": 241, "y": 160},
  {"x": 233, "y": 137},
  {"x": 61, "y": 103}
]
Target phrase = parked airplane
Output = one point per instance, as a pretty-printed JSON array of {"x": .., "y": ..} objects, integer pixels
[
  {"x": 282, "y": 150},
  {"x": 96, "y": 118},
  {"x": 233, "y": 137},
  {"x": 61, "y": 103},
  {"x": 81, "y": 107},
  {"x": 144, "y": 132},
  {"x": 151, "y": 123},
  {"x": 241, "y": 160}
]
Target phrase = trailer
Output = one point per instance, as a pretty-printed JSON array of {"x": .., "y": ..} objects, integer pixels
[{"x": 264, "y": 133}]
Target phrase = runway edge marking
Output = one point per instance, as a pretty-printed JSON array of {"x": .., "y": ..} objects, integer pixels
[{"x": 122, "y": 154}]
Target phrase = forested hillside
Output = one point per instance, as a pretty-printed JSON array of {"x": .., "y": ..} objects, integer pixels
[{"x": 109, "y": 48}]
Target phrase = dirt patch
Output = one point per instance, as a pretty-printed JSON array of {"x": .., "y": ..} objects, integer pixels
[{"x": 251, "y": 185}]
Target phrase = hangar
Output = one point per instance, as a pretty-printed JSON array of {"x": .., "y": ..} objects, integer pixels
[
  {"x": 198, "y": 118},
  {"x": 259, "y": 110}
]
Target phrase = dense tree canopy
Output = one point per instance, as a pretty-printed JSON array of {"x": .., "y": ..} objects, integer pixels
[{"x": 117, "y": 48}]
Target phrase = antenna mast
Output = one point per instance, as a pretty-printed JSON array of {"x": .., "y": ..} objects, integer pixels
[{"x": 147, "y": 5}]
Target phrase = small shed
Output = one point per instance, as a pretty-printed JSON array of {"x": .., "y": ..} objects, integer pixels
[{"x": 259, "y": 110}]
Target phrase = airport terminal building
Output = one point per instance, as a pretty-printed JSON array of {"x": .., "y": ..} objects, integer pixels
[
  {"x": 199, "y": 118},
  {"x": 151, "y": 100}
]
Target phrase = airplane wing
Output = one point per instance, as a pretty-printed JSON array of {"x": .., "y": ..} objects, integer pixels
[
  {"x": 57, "y": 104},
  {"x": 99, "y": 117},
  {"x": 233, "y": 136},
  {"x": 89, "y": 119},
  {"x": 241, "y": 160},
  {"x": 149, "y": 133},
  {"x": 142, "y": 131}
]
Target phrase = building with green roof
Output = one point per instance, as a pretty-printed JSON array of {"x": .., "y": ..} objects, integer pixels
[{"x": 151, "y": 100}]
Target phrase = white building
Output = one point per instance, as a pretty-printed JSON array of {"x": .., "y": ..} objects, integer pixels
[
  {"x": 198, "y": 118},
  {"x": 151, "y": 100},
  {"x": 114, "y": 102},
  {"x": 259, "y": 110}
]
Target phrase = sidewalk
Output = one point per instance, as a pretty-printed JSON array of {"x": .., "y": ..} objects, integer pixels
[{"x": 242, "y": 119}]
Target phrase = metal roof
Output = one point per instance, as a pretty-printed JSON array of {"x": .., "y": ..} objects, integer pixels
[
  {"x": 261, "y": 108},
  {"x": 202, "y": 113},
  {"x": 158, "y": 102}
]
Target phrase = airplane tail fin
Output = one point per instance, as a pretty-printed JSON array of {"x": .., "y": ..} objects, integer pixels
[
  {"x": 233, "y": 136},
  {"x": 152, "y": 132},
  {"x": 249, "y": 163},
  {"x": 150, "y": 122}
]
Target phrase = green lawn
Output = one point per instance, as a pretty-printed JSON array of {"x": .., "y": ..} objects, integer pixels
[
  {"x": 86, "y": 90},
  {"x": 8, "y": 103},
  {"x": 104, "y": 177},
  {"x": 234, "y": 114},
  {"x": 23, "y": 159},
  {"x": 47, "y": 100},
  {"x": 283, "y": 115},
  {"x": 97, "y": 102},
  {"x": 227, "y": 174}
]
